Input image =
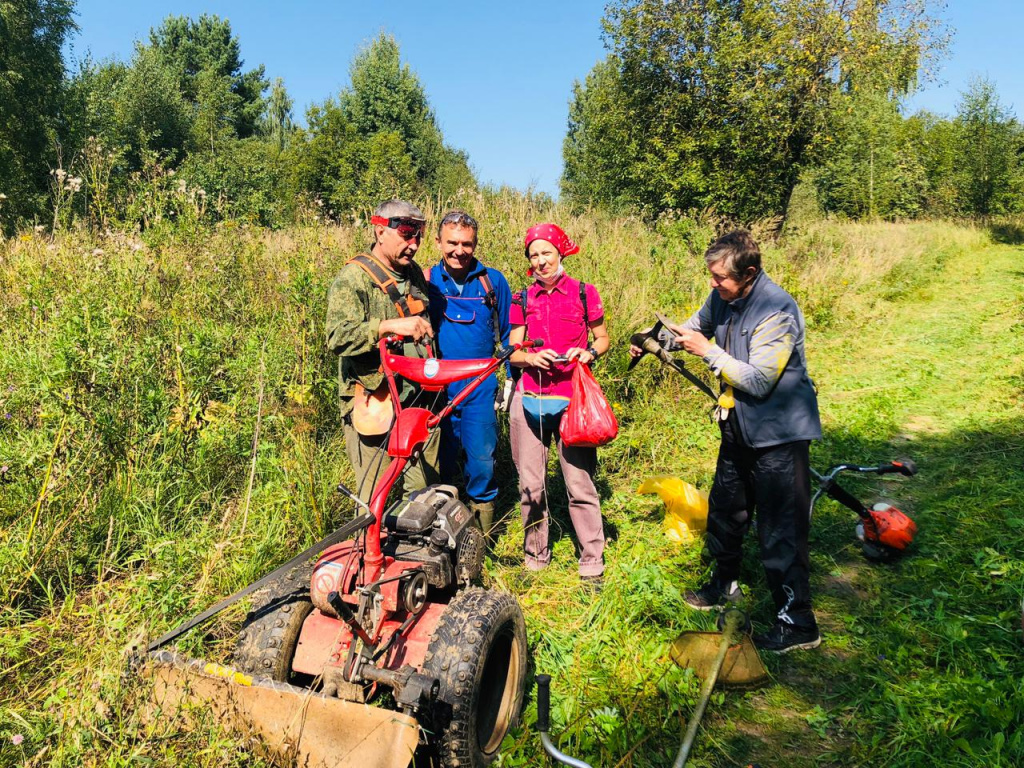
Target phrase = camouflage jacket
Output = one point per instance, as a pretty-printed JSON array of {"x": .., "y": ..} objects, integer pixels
[{"x": 355, "y": 307}]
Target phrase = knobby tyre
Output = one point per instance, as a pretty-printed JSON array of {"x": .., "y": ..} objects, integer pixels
[
  {"x": 266, "y": 643},
  {"x": 478, "y": 653}
]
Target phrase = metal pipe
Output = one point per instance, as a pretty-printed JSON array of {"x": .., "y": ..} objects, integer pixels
[
  {"x": 556, "y": 754},
  {"x": 544, "y": 722},
  {"x": 733, "y": 622}
]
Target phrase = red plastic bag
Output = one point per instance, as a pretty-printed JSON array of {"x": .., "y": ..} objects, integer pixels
[{"x": 589, "y": 420}]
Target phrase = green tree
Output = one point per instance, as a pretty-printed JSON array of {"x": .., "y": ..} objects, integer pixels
[
  {"x": 389, "y": 171},
  {"x": 191, "y": 47},
  {"x": 32, "y": 33},
  {"x": 385, "y": 96},
  {"x": 246, "y": 179},
  {"x": 149, "y": 112},
  {"x": 599, "y": 149},
  {"x": 937, "y": 139},
  {"x": 989, "y": 152},
  {"x": 276, "y": 123},
  {"x": 870, "y": 164},
  {"x": 722, "y": 102},
  {"x": 329, "y": 158},
  {"x": 216, "y": 106}
]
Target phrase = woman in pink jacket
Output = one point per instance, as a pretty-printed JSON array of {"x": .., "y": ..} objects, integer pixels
[{"x": 563, "y": 313}]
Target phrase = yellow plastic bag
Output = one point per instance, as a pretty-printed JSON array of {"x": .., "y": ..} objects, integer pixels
[{"x": 686, "y": 508}]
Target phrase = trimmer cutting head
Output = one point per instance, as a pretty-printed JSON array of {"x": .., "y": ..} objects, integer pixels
[{"x": 742, "y": 666}]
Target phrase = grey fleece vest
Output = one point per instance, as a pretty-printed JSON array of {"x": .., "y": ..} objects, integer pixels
[{"x": 790, "y": 411}]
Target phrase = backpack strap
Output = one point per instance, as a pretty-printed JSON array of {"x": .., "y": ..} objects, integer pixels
[
  {"x": 586, "y": 311},
  {"x": 491, "y": 301},
  {"x": 407, "y": 306},
  {"x": 520, "y": 299}
]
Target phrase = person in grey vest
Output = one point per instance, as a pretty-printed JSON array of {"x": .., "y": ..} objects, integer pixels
[{"x": 750, "y": 332}]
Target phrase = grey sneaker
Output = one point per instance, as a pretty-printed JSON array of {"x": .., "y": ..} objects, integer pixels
[{"x": 713, "y": 596}]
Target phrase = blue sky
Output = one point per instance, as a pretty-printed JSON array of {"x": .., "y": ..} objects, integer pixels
[{"x": 499, "y": 75}]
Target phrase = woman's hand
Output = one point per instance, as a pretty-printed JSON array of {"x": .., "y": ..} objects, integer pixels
[
  {"x": 542, "y": 360},
  {"x": 578, "y": 353}
]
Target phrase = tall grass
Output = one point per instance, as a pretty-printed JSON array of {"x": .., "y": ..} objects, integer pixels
[{"x": 130, "y": 389}]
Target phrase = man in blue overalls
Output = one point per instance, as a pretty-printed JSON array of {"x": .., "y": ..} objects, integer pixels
[{"x": 469, "y": 308}]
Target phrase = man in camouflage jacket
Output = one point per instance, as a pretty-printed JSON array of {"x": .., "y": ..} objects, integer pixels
[{"x": 359, "y": 314}]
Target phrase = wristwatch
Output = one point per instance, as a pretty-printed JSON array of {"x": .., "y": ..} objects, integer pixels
[{"x": 592, "y": 351}]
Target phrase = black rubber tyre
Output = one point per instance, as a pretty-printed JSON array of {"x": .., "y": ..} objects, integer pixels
[
  {"x": 478, "y": 652},
  {"x": 267, "y": 640}
]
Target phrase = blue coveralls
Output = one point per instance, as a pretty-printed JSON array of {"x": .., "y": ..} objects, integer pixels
[{"x": 465, "y": 330}]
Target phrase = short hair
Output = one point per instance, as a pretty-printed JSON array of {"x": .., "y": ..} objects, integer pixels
[
  {"x": 736, "y": 251},
  {"x": 458, "y": 218},
  {"x": 395, "y": 207}
]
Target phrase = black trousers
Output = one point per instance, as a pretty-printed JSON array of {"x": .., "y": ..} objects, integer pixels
[{"x": 775, "y": 484}]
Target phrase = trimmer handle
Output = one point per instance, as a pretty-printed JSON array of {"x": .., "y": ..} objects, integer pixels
[
  {"x": 506, "y": 352},
  {"x": 543, "y": 703},
  {"x": 905, "y": 467}
]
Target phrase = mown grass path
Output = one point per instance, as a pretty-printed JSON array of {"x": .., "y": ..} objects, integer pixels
[{"x": 922, "y": 660}]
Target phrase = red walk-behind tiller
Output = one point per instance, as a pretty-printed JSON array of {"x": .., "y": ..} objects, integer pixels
[
  {"x": 885, "y": 531},
  {"x": 392, "y": 607}
]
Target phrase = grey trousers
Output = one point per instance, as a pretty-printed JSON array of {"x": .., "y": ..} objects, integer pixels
[{"x": 530, "y": 454}]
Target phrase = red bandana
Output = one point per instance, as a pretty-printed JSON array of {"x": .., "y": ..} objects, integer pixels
[{"x": 554, "y": 235}]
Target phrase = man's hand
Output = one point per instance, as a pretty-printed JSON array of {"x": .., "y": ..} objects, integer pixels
[
  {"x": 693, "y": 342},
  {"x": 415, "y": 328},
  {"x": 503, "y": 397}
]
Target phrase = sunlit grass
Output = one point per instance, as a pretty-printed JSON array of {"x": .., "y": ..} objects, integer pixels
[{"x": 129, "y": 393}]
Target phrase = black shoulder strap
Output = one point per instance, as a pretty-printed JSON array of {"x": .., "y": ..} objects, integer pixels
[
  {"x": 491, "y": 300},
  {"x": 586, "y": 311},
  {"x": 384, "y": 281}
]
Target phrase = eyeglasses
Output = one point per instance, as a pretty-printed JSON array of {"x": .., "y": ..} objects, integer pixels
[
  {"x": 407, "y": 229},
  {"x": 458, "y": 219}
]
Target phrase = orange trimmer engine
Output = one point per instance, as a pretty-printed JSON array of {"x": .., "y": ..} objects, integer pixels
[
  {"x": 885, "y": 532},
  {"x": 887, "y": 526}
]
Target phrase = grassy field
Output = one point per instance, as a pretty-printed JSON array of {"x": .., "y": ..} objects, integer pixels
[{"x": 132, "y": 492}]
